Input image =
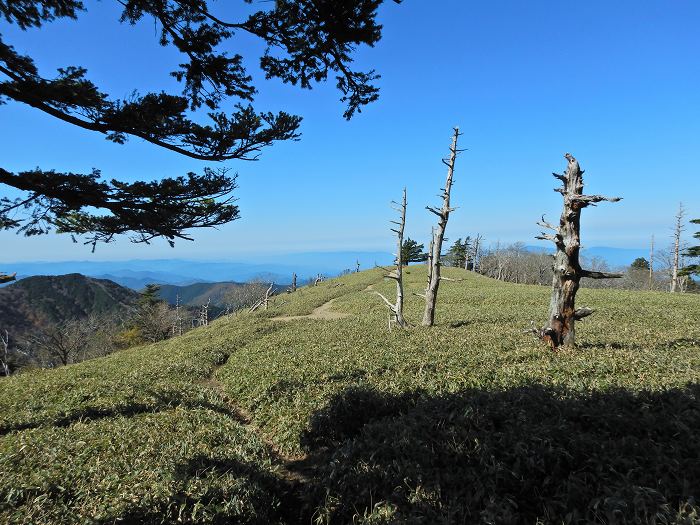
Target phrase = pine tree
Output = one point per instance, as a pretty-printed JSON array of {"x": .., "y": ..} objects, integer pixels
[
  {"x": 411, "y": 251},
  {"x": 693, "y": 251},
  {"x": 305, "y": 41}
]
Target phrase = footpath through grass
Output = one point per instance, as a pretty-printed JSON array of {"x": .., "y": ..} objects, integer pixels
[{"x": 471, "y": 421}]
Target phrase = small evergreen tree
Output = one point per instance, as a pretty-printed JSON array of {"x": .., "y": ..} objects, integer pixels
[
  {"x": 150, "y": 295},
  {"x": 640, "y": 263},
  {"x": 693, "y": 251},
  {"x": 458, "y": 253},
  {"x": 153, "y": 319},
  {"x": 411, "y": 251}
]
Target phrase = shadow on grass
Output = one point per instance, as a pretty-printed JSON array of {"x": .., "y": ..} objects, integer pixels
[
  {"x": 515, "y": 456},
  {"x": 221, "y": 490},
  {"x": 673, "y": 344},
  {"x": 159, "y": 401}
]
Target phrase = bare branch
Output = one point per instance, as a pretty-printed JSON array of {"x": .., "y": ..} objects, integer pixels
[
  {"x": 548, "y": 237},
  {"x": 435, "y": 211},
  {"x": 582, "y": 312},
  {"x": 600, "y": 275},
  {"x": 560, "y": 177},
  {"x": 587, "y": 200},
  {"x": 388, "y": 303},
  {"x": 545, "y": 224}
]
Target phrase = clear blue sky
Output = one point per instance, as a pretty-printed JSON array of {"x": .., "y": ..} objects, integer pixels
[{"x": 615, "y": 83}]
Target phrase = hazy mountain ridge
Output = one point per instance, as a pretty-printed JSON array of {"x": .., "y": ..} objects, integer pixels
[{"x": 135, "y": 274}]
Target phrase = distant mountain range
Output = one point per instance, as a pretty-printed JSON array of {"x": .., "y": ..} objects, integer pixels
[
  {"x": 39, "y": 301},
  {"x": 135, "y": 274}
]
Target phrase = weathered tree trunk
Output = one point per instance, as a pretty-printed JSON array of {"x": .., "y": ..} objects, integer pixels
[
  {"x": 204, "y": 314},
  {"x": 477, "y": 253},
  {"x": 294, "y": 282},
  {"x": 560, "y": 330},
  {"x": 443, "y": 214},
  {"x": 6, "y": 348},
  {"x": 177, "y": 326},
  {"x": 677, "y": 232},
  {"x": 397, "y": 274},
  {"x": 268, "y": 293},
  {"x": 651, "y": 264}
]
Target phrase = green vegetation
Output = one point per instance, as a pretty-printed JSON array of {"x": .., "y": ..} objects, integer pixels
[{"x": 254, "y": 420}]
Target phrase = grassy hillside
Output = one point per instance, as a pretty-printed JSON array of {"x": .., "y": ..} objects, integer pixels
[{"x": 255, "y": 420}]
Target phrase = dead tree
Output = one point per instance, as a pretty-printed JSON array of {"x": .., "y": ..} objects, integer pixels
[
  {"x": 651, "y": 264},
  {"x": 438, "y": 236},
  {"x": 357, "y": 266},
  {"x": 477, "y": 253},
  {"x": 396, "y": 274},
  {"x": 677, "y": 233},
  {"x": 265, "y": 299},
  {"x": 294, "y": 282},
  {"x": 5, "y": 278},
  {"x": 268, "y": 293},
  {"x": 4, "y": 362},
  {"x": 567, "y": 270},
  {"x": 177, "y": 325},
  {"x": 204, "y": 314}
]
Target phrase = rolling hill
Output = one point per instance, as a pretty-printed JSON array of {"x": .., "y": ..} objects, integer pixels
[
  {"x": 294, "y": 416},
  {"x": 199, "y": 293},
  {"x": 43, "y": 300}
]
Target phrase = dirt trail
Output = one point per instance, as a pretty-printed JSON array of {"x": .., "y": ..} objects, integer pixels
[
  {"x": 295, "y": 473},
  {"x": 322, "y": 312}
]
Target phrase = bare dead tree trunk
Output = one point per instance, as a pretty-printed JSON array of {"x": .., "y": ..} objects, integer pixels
[
  {"x": 357, "y": 266},
  {"x": 477, "y": 252},
  {"x": 5, "y": 340},
  {"x": 268, "y": 294},
  {"x": 204, "y": 314},
  {"x": 177, "y": 327},
  {"x": 677, "y": 233},
  {"x": 651, "y": 264},
  {"x": 563, "y": 314},
  {"x": 439, "y": 235},
  {"x": 397, "y": 274},
  {"x": 294, "y": 282}
]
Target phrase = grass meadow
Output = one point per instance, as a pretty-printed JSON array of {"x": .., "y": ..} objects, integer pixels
[{"x": 254, "y": 420}]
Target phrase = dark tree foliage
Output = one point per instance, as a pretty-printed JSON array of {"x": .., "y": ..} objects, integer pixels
[
  {"x": 411, "y": 251},
  {"x": 307, "y": 40},
  {"x": 640, "y": 263},
  {"x": 458, "y": 253},
  {"x": 63, "y": 201},
  {"x": 693, "y": 251},
  {"x": 150, "y": 295}
]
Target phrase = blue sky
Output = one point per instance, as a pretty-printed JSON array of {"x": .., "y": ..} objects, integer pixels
[{"x": 615, "y": 83}]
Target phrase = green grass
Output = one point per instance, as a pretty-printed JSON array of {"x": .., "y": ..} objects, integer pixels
[{"x": 470, "y": 421}]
